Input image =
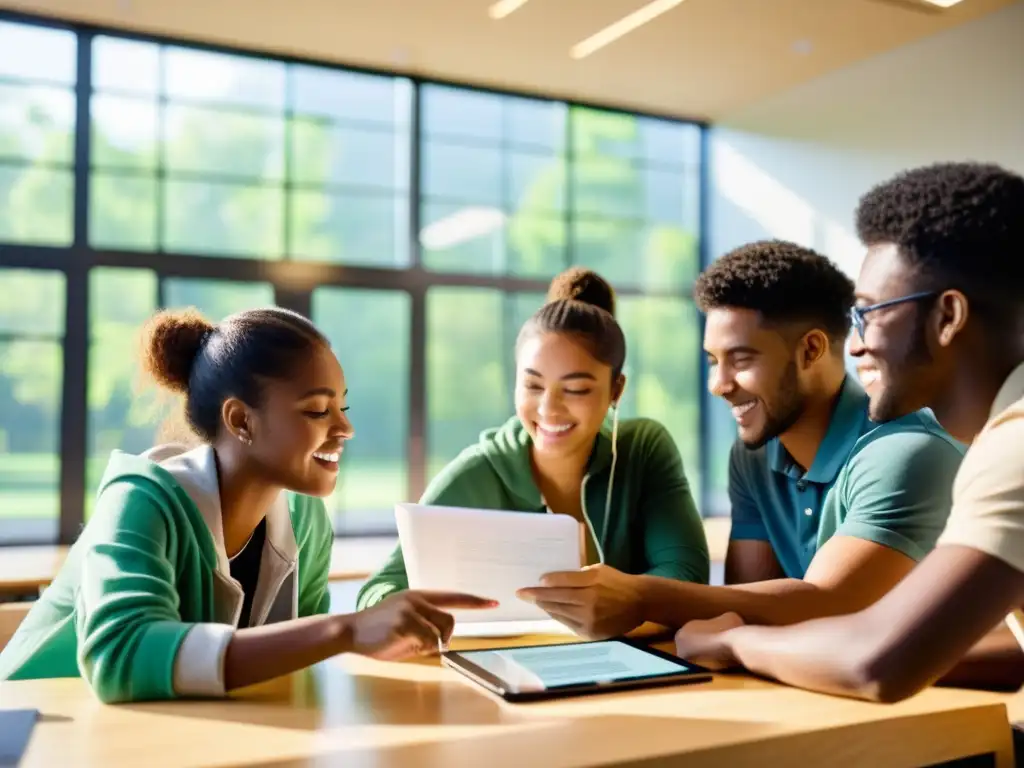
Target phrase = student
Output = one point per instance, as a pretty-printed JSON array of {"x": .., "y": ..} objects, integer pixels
[
  {"x": 625, "y": 485},
  {"x": 829, "y": 508},
  {"x": 205, "y": 570},
  {"x": 940, "y": 323}
]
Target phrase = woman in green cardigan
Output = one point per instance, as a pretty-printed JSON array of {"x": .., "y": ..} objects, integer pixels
[
  {"x": 206, "y": 570},
  {"x": 623, "y": 482}
]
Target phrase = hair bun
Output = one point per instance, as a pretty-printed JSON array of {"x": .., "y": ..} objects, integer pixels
[
  {"x": 581, "y": 284},
  {"x": 171, "y": 341}
]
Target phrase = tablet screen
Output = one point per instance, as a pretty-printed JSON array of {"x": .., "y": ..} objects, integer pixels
[{"x": 558, "y": 666}]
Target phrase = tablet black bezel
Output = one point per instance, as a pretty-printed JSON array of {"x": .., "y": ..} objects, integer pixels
[{"x": 456, "y": 661}]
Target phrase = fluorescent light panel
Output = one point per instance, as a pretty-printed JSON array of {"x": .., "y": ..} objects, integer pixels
[
  {"x": 943, "y": 3},
  {"x": 503, "y": 8},
  {"x": 622, "y": 27}
]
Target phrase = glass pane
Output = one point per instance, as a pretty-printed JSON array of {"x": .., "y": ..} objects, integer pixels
[
  {"x": 533, "y": 122},
  {"x": 31, "y": 302},
  {"x": 536, "y": 183},
  {"x": 216, "y": 298},
  {"x": 612, "y": 247},
  {"x": 35, "y": 206},
  {"x": 124, "y": 132},
  {"x": 374, "y": 469},
  {"x": 664, "y": 196},
  {"x": 216, "y": 141},
  {"x": 456, "y": 112},
  {"x": 350, "y": 95},
  {"x": 349, "y": 229},
  {"x": 608, "y": 187},
  {"x": 662, "y": 365},
  {"x": 31, "y": 374},
  {"x": 670, "y": 143},
  {"x": 634, "y": 254},
  {"x": 223, "y": 219},
  {"x": 223, "y": 79},
  {"x": 458, "y": 238},
  {"x": 468, "y": 370},
  {"x": 37, "y": 123},
  {"x": 125, "y": 65},
  {"x": 596, "y": 133},
  {"x": 123, "y": 414},
  {"x": 37, "y": 53},
  {"x": 338, "y": 155},
  {"x": 122, "y": 211},
  {"x": 536, "y": 246},
  {"x": 471, "y": 174}
]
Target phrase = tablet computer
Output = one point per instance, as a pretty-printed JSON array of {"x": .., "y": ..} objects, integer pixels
[{"x": 538, "y": 672}]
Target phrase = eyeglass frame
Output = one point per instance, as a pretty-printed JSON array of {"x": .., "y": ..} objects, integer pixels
[{"x": 857, "y": 313}]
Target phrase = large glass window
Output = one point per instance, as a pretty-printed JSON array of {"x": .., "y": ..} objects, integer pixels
[
  {"x": 374, "y": 472},
  {"x": 493, "y": 176},
  {"x": 417, "y": 224},
  {"x": 37, "y": 124},
  {"x": 214, "y": 154},
  {"x": 31, "y": 376},
  {"x": 636, "y": 198}
]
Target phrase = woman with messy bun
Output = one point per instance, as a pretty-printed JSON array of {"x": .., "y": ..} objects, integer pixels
[
  {"x": 623, "y": 482},
  {"x": 205, "y": 570}
]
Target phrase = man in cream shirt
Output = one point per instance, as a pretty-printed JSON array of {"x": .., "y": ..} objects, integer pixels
[{"x": 939, "y": 323}]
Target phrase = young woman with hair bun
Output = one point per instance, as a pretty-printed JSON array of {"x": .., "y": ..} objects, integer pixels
[
  {"x": 205, "y": 569},
  {"x": 624, "y": 481}
]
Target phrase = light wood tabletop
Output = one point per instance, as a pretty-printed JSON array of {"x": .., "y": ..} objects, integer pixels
[{"x": 355, "y": 712}]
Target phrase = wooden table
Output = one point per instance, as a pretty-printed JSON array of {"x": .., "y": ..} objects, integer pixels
[{"x": 356, "y": 712}]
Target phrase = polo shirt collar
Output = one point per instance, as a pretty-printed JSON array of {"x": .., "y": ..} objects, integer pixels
[
  {"x": 844, "y": 429},
  {"x": 1011, "y": 391}
]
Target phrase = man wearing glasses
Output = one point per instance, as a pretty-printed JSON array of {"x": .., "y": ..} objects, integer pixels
[
  {"x": 830, "y": 508},
  {"x": 941, "y": 324}
]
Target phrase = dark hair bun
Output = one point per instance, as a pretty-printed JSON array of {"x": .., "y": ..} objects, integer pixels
[
  {"x": 581, "y": 284},
  {"x": 171, "y": 341}
]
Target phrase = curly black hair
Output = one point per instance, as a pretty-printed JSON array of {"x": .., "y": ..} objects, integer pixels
[
  {"x": 783, "y": 281},
  {"x": 961, "y": 224}
]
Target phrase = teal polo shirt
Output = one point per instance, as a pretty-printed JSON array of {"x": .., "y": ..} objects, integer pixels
[{"x": 890, "y": 483}]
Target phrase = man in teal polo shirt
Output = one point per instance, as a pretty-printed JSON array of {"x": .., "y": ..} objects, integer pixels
[{"x": 829, "y": 509}]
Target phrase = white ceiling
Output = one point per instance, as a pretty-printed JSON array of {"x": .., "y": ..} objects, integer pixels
[{"x": 701, "y": 59}]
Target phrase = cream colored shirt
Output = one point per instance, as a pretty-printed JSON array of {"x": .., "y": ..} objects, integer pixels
[{"x": 988, "y": 493}]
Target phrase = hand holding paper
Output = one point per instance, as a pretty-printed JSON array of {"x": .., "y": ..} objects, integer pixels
[
  {"x": 486, "y": 552},
  {"x": 597, "y": 602}
]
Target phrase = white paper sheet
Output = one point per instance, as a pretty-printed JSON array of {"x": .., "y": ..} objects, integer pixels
[{"x": 488, "y": 553}]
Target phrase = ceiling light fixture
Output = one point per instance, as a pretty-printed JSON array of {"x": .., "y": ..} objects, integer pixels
[
  {"x": 622, "y": 27},
  {"x": 943, "y": 3},
  {"x": 503, "y": 8}
]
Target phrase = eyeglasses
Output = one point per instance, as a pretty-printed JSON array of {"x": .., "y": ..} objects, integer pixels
[{"x": 857, "y": 313}]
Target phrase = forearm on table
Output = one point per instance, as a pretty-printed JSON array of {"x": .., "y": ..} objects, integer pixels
[
  {"x": 994, "y": 663},
  {"x": 776, "y": 602},
  {"x": 263, "y": 653},
  {"x": 805, "y": 655}
]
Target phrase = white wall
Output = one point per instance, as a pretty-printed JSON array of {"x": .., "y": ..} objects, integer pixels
[{"x": 794, "y": 166}]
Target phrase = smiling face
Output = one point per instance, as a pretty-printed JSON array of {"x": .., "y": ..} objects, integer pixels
[
  {"x": 754, "y": 369},
  {"x": 299, "y": 429},
  {"x": 899, "y": 366},
  {"x": 562, "y": 394}
]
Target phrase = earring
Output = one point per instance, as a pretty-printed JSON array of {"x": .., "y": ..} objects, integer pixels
[{"x": 244, "y": 437}]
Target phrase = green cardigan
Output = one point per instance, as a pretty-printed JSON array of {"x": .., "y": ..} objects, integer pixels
[
  {"x": 651, "y": 525},
  {"x": 144, "y": 606}
]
